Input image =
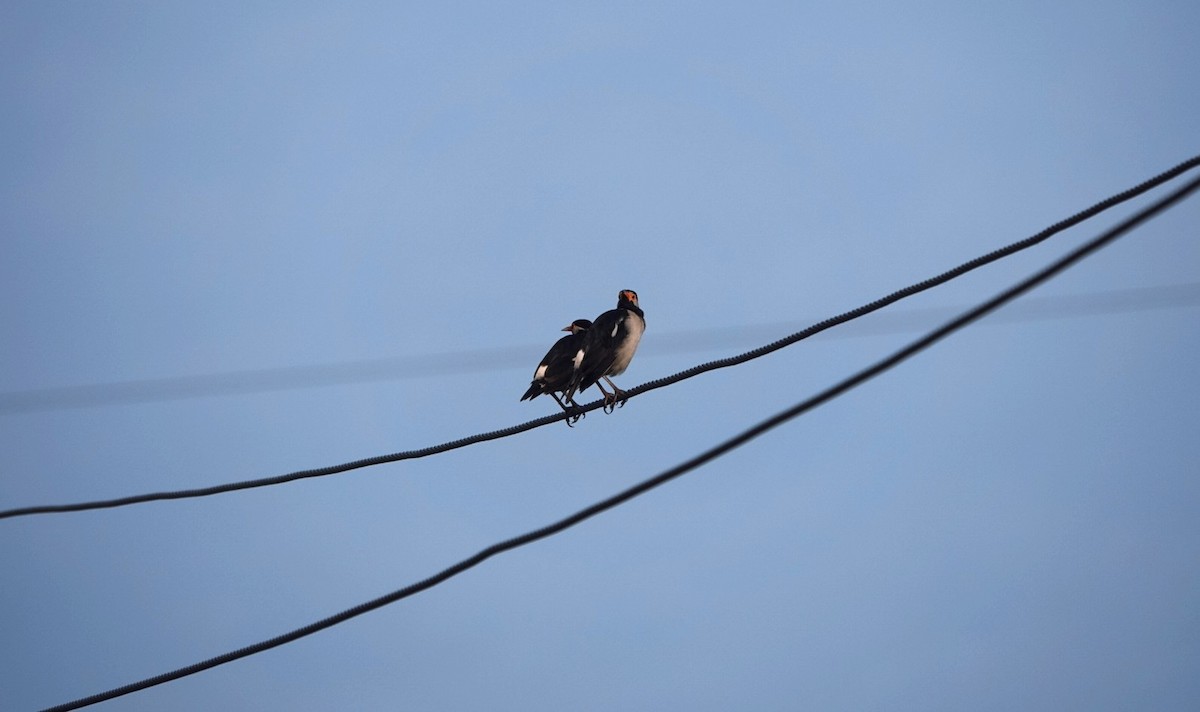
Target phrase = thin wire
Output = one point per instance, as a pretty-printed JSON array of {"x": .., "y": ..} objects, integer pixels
[
  {"x": 285, "y": 378},
  {"x": 1063, "y": 306},
  {"x": 636, "y": 390},
  {"x": 257, "y": 380},
  {"x": 645, "y": 486}
]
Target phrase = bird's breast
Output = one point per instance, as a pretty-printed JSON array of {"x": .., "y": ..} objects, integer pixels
[{"x": 629, "y": 335}]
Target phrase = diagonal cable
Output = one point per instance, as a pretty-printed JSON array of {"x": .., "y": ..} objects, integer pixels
[
  {"x": 636, "y": 390},
  {"x": 742, "y": 438}
]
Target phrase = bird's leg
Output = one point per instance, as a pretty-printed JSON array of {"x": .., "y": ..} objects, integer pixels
[
  {"x": 574, "y": 408},
  {"x": 617, "y": 393},
  {"x": 610, "y": 399},
  {"x": 572, "y": 411}
]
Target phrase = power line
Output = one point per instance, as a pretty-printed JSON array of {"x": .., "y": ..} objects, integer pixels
[
  {"x": 1063, "y": 306},
  {"x": 641, "y": 488},
  {"x": 283, "y": 378},
  {"x": 260, "y": 380},
  {"x": 637, "y": 390}
]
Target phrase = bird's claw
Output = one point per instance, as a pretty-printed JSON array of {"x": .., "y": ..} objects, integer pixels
[
  {"x": 614, "y": 400},
  {"x": 574, "y": 413}
]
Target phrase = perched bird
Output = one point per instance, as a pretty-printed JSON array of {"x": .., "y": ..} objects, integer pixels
[
  {"x": 608, "y": 347},
  {"x": 558, "y": 366}
]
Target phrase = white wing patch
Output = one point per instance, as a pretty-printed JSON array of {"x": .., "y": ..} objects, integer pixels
[
  {"x": 578, "y": 358},
  {"x": 616, "y": 327},
  {"x": 540, "y": 373}
]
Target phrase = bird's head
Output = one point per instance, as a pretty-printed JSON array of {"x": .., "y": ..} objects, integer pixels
[
  {"x": 578, "y": 325},
  {"x": 627, "y": 295}
]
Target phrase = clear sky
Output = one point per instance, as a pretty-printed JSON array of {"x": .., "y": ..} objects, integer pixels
[{"x": 1009, "y": 521}]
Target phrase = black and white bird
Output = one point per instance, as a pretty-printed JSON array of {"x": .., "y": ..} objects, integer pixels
[
  {"x": 608, "y": 347},
  {"x": 553, "y": 375}
]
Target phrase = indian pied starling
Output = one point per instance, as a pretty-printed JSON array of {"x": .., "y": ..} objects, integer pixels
[
  {"x": 608, "y": 347},
  {"x": 558, "y": 366}
]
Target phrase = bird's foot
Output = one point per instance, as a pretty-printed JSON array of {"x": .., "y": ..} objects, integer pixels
[{"x": 614, "y": 400}]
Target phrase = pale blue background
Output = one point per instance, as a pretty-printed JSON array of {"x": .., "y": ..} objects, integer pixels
[{"x": 1009, "y": 522}]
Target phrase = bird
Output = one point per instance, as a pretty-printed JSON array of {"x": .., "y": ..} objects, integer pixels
[
  {"x": 558, "y": 366},
  {"x": 608, "y": 347}
]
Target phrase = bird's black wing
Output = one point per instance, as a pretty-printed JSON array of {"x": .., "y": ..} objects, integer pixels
[
  {"x": 599, "y": 348},
  {"x": 559, "y": 365}
]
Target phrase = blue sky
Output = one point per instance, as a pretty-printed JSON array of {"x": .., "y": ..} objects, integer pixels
[{"x": 1006, "y": 522}]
